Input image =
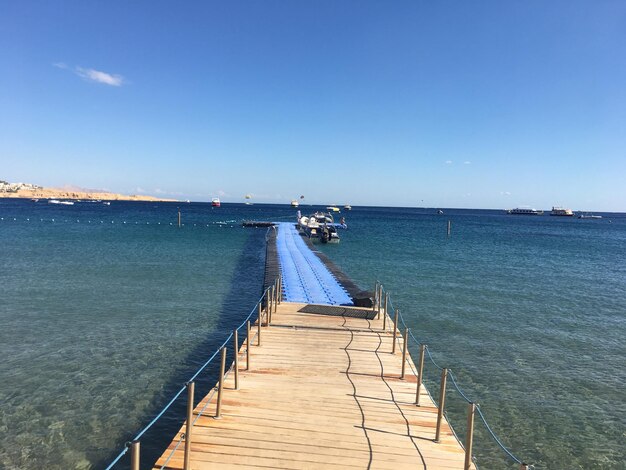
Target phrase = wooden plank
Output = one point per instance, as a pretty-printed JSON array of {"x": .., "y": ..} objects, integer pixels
[{"x": 323, "y": 392}]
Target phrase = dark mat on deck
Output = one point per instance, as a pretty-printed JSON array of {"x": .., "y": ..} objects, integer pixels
[{"x": 338, "y": 311}]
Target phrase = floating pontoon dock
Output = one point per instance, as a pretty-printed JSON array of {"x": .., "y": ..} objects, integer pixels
[{"x": 319, "y": 385}]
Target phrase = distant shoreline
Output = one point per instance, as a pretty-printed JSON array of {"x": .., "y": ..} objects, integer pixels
[{"x": 52, "y": 193}]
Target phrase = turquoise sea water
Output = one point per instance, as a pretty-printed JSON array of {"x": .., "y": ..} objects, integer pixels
[{"x": 107, "y": 310}]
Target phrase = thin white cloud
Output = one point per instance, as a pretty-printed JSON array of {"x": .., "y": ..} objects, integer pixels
[
  {"x": 93, "y": 75},
  {"x": 505, "y": 193},
  {"x": 99, "y": 77},
  {"x": 466, "y": 162},
  {"x": 448, "y": 162}
]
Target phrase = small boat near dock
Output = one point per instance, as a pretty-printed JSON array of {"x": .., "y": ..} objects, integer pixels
[{"x": 319, "y": 226}]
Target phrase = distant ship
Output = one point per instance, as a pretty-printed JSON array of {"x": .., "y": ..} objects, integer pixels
[
  {"x": 347, "y": 207},
  {"x": 215, "y": 202},
  {"x": 294, "y": 203},
  {"x": 560, "y": 211},
  {"x": 589, "y": 216},
  {"x": 524, "y": 211}
]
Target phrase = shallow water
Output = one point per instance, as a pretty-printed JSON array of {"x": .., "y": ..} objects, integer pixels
[{"x": 107, "y": 310}]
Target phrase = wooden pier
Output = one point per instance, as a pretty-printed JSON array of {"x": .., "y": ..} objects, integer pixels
[{"x": 323, "y": 390}]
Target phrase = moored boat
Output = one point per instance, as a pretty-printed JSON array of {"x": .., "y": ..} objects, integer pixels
[
  {"x": 319, "y": 226},
  {"x": 523, "y": 211},
  {"x": 562, "y": 212},
  {"x": 589, "y": 216},
  {"x": 65, "y": 203}
]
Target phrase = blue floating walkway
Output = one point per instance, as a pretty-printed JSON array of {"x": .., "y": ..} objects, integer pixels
[{"x": 305, "y": 277}]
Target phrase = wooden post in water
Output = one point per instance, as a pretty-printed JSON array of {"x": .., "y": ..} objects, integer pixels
[
  {"x": 134, "y": 455},
  {"x": 404, "y": 349},
  {"x": 449, "y": 227},
  {"x": 259, "y": 322},
  {"x": 218, "y": 407},
  {"x": 442, "y": 402},
  {"x": 395, "y": 331},
  {"x": 420, "y": 372},
  {"x": 248, "y": 345},
  {"x": 236, "y": 353},
  {"x": 469, "y": 439},
  {"x": 189, "y": 424}
]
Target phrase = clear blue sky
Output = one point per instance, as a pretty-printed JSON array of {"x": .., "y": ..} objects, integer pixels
[{"x": 486, "y": 104}]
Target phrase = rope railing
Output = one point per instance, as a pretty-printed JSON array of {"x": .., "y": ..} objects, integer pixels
[
  {"x": 392, "y": 312},
  {"x": 268, "y": 300}
]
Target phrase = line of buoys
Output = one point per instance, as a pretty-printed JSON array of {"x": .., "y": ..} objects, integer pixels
[{"x": 219, "y": 224}]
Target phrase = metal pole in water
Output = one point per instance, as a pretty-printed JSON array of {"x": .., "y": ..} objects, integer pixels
[
  {"x": 236, "y": 353},
  {"x": 469, "y": 439},
  {"x": 134, "y": 455},
  {"x": 218, "y": 408},
  {"x": 259, "y": 322},
  {"x": 179, "y": 216},
  {"x": 449, "y": 227},
  {"x": 395, "y": 331},
  {"x": 189, "y": 424},
  {"x": 404, "y": 349},
  {"x": 420, "y": 371},
  {"x": 442, "y": 402}
]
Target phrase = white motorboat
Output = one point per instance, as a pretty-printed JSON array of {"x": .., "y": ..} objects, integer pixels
[
  {"x": 319, "y": 226},
  {"x": 65, "y": 203}
]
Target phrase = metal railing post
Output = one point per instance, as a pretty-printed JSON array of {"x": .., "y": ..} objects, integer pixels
[
  {"x": 442, "y": 402},
  {"x": 379, "y": 300},
  {"x": 236, "y": 353},
  {"x": 385, "y": 315},
  {"x": 420, "y": 373},
  {"x": 268, "y": 309},
  {"x": 248, "y": 345},
  {"x": 189, "y": 424},
  {"x": 280, "y": 288},
  {"x": 260, "y": 320},
  {"x": 469, "y": 439},
  {"x": 386, "y": 302},
  {"x": 135, "y": 455},
  {"x": 404, "y": 349},
  {"x": 218, "y": 407},
  {"x": 375, "y": 306},
  {"x": 395, "y": 331}
]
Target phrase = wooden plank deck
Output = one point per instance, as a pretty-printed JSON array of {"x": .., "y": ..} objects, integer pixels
[{"x": 322, "y": 392}]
